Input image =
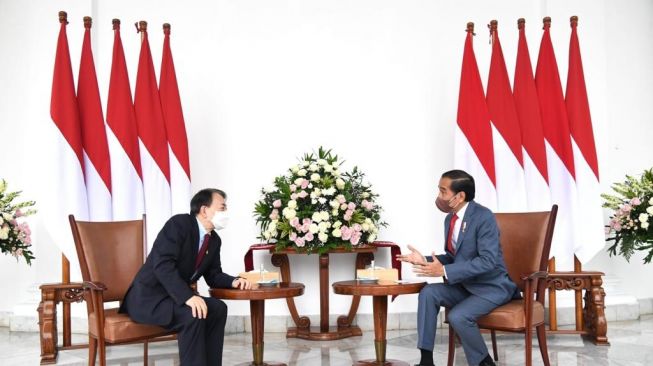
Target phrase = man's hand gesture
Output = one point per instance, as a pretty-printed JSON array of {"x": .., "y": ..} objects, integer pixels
[
  {"x": 414, "y": 257},
  {"x": 242, "y": 284},
  {"x": 198, "y": 306}
]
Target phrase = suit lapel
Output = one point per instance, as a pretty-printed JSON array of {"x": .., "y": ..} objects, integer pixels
[
  {"x": 447, "y": 221},
  {"x": 469, "y": 213}
]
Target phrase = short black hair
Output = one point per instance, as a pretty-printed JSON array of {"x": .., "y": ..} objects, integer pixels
[
  {"x": 204, "y": 198},
  {"x": 461, "y": 181}
]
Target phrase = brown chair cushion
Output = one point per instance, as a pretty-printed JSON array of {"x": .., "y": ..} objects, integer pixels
[
  {"x": 120, "y": 328},
  {"x": 511, "y": 316}
]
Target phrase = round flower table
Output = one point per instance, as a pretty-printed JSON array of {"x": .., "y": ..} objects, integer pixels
[
  {"x": 380, "y": 292},
  {"x": 257, "y": 296}
]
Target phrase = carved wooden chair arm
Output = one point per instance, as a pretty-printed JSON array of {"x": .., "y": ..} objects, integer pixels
[
  {"x": 95, "y": 286},
  {"x": 534, "y": 275}
]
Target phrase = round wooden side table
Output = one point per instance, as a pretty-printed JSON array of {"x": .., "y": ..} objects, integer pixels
[
  {"x": 380, "y": 292},
  {"x": 257, "y": 296}
]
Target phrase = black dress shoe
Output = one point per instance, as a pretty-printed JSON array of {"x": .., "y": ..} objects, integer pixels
[{"x": 487, "y": 361}]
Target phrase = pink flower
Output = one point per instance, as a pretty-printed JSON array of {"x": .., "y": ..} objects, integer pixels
[
  {"x": 305, "y": 184},
  {"x": 635, "y": 201},
  {"x": 351, "y": 206},
  {"x": 607, "y": 230},
  {"x": 293, "y": 188},
  {"x": 347, "y": 217},
  {"x": 19, "y": 252},
  {"x": 355, "y": 238},
  {"x": 307, "y": 221},
  {"x": 19, "y": 213},
  {"x": 341, "y": 199},
  {"x": 367, "y": 205},
  {"x": 302, "y": 194},
  {"x": 309, "y": 236},
  {"x": 276, "y": 204},
  {"x": 346, "y": 233},
  {"x": 305, "y": 227},
  {"x": 626, "y": 208},
  {"x": 299, "y": 242},
  {"x": 343, "y": 206},
  {"x": 295, "y": 222},
  {"x": 357, "y": 227},
  {"x": 293, "y": 196},
  {"x": 617, "y": 226},
  {"x": 292, "y": 236},
  {"x": 274, "y": 215}
]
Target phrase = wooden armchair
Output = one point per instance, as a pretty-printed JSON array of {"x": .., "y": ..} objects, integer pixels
[
  {"x": 110, "y": 254},
  {"x": 526, "y": 242}
]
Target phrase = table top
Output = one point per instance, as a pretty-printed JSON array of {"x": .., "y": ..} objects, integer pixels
[
  {"x": 280, "y": 291},
  {"x": 382, "y": 288},
  {"x": 363, "y": 248}
]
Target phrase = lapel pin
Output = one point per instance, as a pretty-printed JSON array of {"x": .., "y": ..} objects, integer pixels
[{"x": 464, "y": 225}]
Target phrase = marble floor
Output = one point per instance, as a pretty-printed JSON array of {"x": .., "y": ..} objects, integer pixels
[{"x": 631, "y": 344}]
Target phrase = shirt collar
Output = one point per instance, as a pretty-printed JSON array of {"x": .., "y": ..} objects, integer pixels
[
  {"x": 461, "y": 212},
  {"x": 201, "y": 229}
]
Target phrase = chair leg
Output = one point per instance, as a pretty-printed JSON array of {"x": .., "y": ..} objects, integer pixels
[
  {"x": 92, "y": 350},
  {"x": 528, "y": 337},
  {"x": 145, "y": 353},
  {"x": 103, "y": 351},
  {"x": 541, "y": 339},
  {"x": 494, "y": 345},
  {"x": 452, "y": 346}
]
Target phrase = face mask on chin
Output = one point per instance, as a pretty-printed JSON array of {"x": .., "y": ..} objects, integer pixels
[{"x": 220, "y": 220}]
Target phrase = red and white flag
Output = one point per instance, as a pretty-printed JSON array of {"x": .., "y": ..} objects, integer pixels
[
  {"x": 559, "y": 152},
  {"x": 97, "y": 165},
  {"x": 63, "y": 163},
  {"x": 126, "y": 175},
  {"x": 473, "y": 149},
  {"x": 591, "y": 236},
  {"x": 530, "y": 121},
  {"x": 175, "y": 128},
  {"x": 508, "y": 155},
  {"x": 153, "y": 142}
]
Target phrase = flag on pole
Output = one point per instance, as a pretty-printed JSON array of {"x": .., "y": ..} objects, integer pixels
[
  {"x": 473, "y": 149},
  {"x": 591, "y": 236},
  {"x": 153, "y": 142},
  {"x": 508, "y": 156},
  {"x": 63, "y": 157},
  {"x": 560, "y": 158},
  {"x": 175, "y": 128},
  {"x": 97, "y": 166},
  {"x": 530, "y": 122},
  {"x": 127, "y": 185}
]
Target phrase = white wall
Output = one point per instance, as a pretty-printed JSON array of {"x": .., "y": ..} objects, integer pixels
[{"x": 264, "y": 81}]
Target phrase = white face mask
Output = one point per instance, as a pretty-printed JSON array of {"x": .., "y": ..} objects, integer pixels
[{"x": 220, "y": 220}]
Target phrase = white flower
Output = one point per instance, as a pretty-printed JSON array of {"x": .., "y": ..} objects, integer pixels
[
  {"x": 321, "y": 161},
  {"x": 323, "y": 226},
  {"x": 317, "y": 217},
  {"x": 269, "y": 189},
  {"x": 315, "y": 177},
  {"x": 7, "y": 216},
  {"x": 643, "y": 217},
  {"x": 334, "y": 212},
  {"x": 1, "y": 220},
  {"x": 324, "y": 215},
  {"x": 292, "y": 204},
  {"x": 650, "y": 210},
  {"x": 301, "y": 172},
  {"x": 266, "y": 235},
  {"x": 365, "y": 195},
  {"x": 294, "y": 169},
  {"x": 272, "y": 226},
  {"x": 313, "y": 228},
  {"x": 337, "y": 224},
  {"x": 323, "y": 237},
  {"x": 328, "y": 168},
  {"x": 329, "y": 191},
  {"x": 305, "y": 163},
  {"x": 644, "y": 225},
  {"x": 336, "y": 172},
  {"x": 650, "y": 202},
  {"x": 298, "y": 181},
  {"x": 368, "y": 220},
  {"x": 336, "y": 233},
  {"x": 289, "y": 213},
  {"x": 334, "y": 204},
  {"x": 313, "y": 167},
  {"x": 322, "y": 200},
  {"x": 365, "y": 226},
  {"x": 340, "y": 184},
  {"x": 371, "y": 238}
]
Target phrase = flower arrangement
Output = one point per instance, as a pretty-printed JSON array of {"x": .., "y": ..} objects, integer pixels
[
  {"x": 630, "y": 224},
  {"x": 14, "y": 235},
  {"x": 317, "y": 207}
]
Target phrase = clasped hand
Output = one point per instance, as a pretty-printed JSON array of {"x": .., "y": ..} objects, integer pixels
[{"x": 420, "y": 266}]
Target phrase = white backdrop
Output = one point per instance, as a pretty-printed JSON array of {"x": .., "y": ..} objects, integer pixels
[{"x": 264, "y": 81}]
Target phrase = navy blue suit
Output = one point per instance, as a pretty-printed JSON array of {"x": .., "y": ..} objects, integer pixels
[
  {"x": 477, "y": 282},
  {"x": 161, "y": 288}
]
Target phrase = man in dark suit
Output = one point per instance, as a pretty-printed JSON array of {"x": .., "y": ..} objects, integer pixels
[
  {"x": 186, "y": 249},
  {"x": 476, "y": 279}
]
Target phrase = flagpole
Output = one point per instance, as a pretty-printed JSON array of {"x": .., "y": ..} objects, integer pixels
[{"x": 141, "y": 27}]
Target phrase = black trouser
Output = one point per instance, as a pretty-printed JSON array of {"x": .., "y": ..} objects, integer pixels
[{"x": 200, "y": 340}]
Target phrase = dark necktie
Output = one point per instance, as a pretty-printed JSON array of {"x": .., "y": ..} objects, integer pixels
[
  {"x": 203, "y": 250},
  {"x": 452, "y": 224}
]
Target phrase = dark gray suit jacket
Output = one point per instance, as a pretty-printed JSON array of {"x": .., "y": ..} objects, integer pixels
[
  {"x": 478, "y": 263},
  {"x": 165, "y": 278}
]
